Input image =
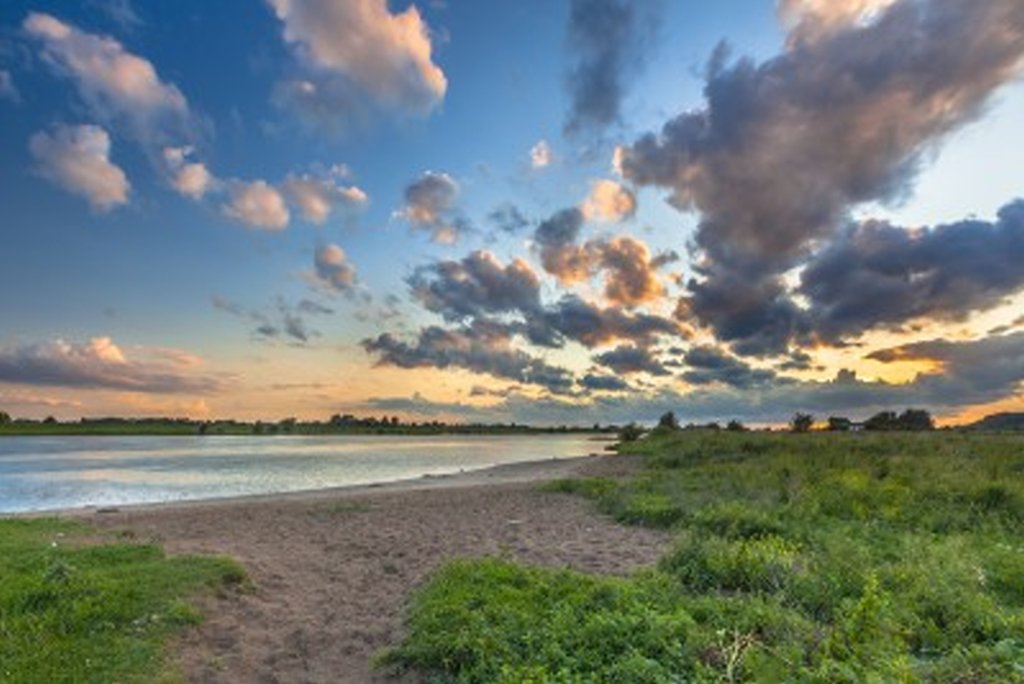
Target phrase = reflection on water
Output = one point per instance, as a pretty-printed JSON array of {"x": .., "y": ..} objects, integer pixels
[{"x": 40, "y": 473}]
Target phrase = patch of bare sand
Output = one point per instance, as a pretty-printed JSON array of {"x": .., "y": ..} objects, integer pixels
[{"x": 333, "y": 570}]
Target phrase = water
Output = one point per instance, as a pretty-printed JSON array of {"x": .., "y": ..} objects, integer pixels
[{"x": 45, "y": 473}]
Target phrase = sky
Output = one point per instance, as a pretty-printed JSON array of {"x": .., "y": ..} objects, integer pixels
[{"x": 546, "y": 212}]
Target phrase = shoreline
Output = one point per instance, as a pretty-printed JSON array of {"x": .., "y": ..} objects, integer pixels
[
  {"x": 332, "y": 570},
  {"x": 537, "y": 470}
]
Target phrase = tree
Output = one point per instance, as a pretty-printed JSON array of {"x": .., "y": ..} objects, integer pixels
[
  {"x": 839, "y": 424},
  {"x": 49, "y": 420},
  {"x": 801, "y": 422},
  {"x": 884, "y": 420},
  {"x": 5, "y": 418},
  {"x": 735, "y": 426},
  {"x": 916, "y": 420},
  {"x": 631, "y": 433},
  {"x": 668, "y": 421}
]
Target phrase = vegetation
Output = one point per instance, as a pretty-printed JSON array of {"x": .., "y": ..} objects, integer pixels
[
  {"x": 348, "y": 425},
  {"x": 1000, "y": 421},
  {"x": 801, "y": 422},
  {"x": 822, "y": 557},
  {"x": 77, "y": 612}
]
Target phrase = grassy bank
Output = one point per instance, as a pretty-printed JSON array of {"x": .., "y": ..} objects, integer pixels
[
  {"x": 75, "y": 612},
  {"x": 821, "y": 557}
]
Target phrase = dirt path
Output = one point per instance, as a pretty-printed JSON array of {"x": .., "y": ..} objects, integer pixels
[{"x": 333, "y": 570}]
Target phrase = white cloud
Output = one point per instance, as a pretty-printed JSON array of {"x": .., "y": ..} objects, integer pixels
[
  {"x": 355, "y": 48},
  {"x": 7, "y": 88},
  {"x": 608, "y": 201},
  {"x": 334, "y": 269},
  {"x": 316, "y": 198},
  {"x": 257, "y": 204},
  {"x": 77, "y": 158},
  {"x": 540, "y": 155},
  {"x": 116, "y": 84},
  {"x": 190, "y": 178}
]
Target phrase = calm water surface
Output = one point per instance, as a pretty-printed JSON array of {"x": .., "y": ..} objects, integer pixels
[{"x": 41, "y": 473}]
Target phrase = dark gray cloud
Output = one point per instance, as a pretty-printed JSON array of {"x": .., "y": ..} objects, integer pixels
[
  {"x": 603, "y": 383},
  {"x": 431, "y": 204},
  {"x": 972, "y": 372},
  {"x": 481, "y": 348},
  {"x": 101, "y": 364},
  {"x": 627, "y": 359},
  {"x": 784, "y": 149},
  {"x": 476, "y": 285},
  {"x": 878, "y": 274},
  {"x": 572, "y": 318},
  {"x": 283, "y": 321},
  {"x": 508, "y": 218},
  {"x": 709, "y": 365},
  {"x": 334, "y": 270},
  {"x": 608, "y": 39}
]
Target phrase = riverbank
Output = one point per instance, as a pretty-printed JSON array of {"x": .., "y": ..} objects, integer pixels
[{"x": 332, "y": 569}]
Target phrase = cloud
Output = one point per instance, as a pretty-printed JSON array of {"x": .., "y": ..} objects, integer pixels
[
  {"x": 540, "y": 155},
  {"x": 477, "y": 285},
  {"x": 628, "y": 359},
  {"x": 603, "y": 383},
  {"x": 117, "y": 85},
  {"x": 878, "y": 274},
  {"x": 572, "y": 318},
  {"x": 8, "y": 90},
  {"x": 284, "y": 320},
  {"x": 189, "y": 178},
  {"x": 811, "y": 19},
  {"x": 508, "y": 218},
  {"x": 709, "y": 365},
  {"x": 608, "y": 201},
  {"x": 120, "y": 11},
  {"x": 480, "y": 348},
  {"x": 354, "y": 51},
  {"x": 430, "y": 204},
  {"x": 101, "y": 364},
  {"x": 316, "y": 198},
  {"x": 77, "y": 158},
  {"x": 560, "y": 255},
  {"x": 334, "y": 270},
  {"x": 257, "y": 205},
  {"x": 630, "y": 273},
  {"x": 607, "y": 39},
  {"x": 974, "y": 372},
  {"x": 785, "y": 149}
]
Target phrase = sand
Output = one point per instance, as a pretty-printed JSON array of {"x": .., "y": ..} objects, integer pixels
[{"x": 332, "y": 570}]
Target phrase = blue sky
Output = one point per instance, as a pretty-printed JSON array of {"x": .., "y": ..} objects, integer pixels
[{"x": 158, "y": 272}]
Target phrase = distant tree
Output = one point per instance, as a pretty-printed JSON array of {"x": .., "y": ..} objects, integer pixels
[
  {"x": 631, "y": 433},
  {"x": 5, "y": 418},
  {"x": 916, "y": 420},
  {"x": 735, "y": 426},
  {"x": 839, "y": 424},
  {"x": 882, "y": 421},
  {"x": 257, "y": 427},
  {"x": 801, "y": 422},
  {"x": 49, "y": 420},
  {"x": 668, "y": 421}
]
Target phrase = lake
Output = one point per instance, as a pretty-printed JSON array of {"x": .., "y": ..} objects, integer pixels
[{"x": 45, "y": 473}]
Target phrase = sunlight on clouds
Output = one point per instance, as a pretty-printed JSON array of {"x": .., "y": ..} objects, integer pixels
[
  {"x": 77, "y": 158},
  {"x": 257, "y": 205}
]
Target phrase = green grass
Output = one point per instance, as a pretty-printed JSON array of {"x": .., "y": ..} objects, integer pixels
[
  {"x": 808, "y": 558},
  {"x": 77, "y": 612}
]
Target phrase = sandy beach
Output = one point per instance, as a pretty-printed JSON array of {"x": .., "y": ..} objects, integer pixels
[{"x": 332, "y": 569}]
